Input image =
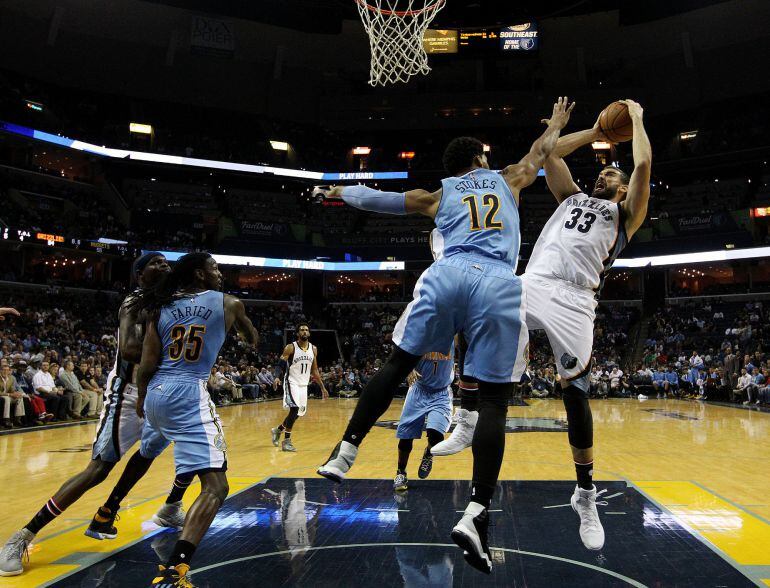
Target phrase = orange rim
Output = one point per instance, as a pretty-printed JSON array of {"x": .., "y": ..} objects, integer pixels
[{"x": 401, "y": 13}]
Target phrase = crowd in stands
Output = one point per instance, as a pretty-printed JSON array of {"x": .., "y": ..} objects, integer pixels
[
  {"x": 707, "y": 350},
  {"x": 611, "y": 330},
  {"x": 54, "y": 204},
  {"x": 55, "y": 357}
]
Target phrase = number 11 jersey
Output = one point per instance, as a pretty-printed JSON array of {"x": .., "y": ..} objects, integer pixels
[{"x": 580, "y": 241}]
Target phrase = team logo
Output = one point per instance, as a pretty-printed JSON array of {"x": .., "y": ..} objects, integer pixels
[
  {"x": 521, "y": 27},
  {"x": 220, "y": 443},
  {"x": 568, "y": 361}
]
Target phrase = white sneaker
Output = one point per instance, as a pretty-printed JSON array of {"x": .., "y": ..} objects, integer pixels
[
  {"x": 643, "y": 397},
  {"x": 170, "y": 515},
  {"x": 14, "y": 551},
  {"x": 584, "y": 504},
  {"x": 339, "y": 462},
  {"x": 461, "y": 437},
  {"x": 470, "y": 534}
]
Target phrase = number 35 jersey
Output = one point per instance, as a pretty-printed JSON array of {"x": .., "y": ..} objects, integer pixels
[
  {"x": 479, "y": 215},
  {"x": 580, "y": 242},
  {"x": 192, "y": 330}
]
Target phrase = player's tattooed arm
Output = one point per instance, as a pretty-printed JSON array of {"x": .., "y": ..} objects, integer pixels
[
  {"x": 317, "y": 375},
  {"x": 151, "y": 352},
  {"x": 522, "y": 174},
  {"x": 130, "y": 332},
  {"x": 638, "y": 197},
  {"x": 235, "y": 309}
]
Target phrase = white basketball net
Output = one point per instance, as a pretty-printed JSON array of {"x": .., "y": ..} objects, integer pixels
[{"x": 396, "y": 29}]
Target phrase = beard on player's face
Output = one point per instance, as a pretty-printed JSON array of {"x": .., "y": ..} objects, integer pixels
[{"x": 603, "y": 189}]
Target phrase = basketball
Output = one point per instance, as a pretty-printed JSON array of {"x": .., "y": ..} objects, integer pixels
[{"x": 615, "y": 123}]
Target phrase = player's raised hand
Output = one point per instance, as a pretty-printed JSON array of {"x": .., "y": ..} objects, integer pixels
[
  {"x": 8, "y": 310},
  {"x": 561, "y": 113},
  {"x": 597, "y": 130},
  {"x": 327, "y": 193},
  {"x": 635, "y": 109}
]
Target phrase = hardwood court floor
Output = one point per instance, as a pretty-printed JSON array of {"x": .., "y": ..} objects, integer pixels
[{"x": 707, "y": 466}]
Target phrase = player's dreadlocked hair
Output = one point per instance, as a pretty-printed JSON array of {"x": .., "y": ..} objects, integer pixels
[
  {"x": 460, "y": 152},
  {"x": 151, "y": 300}
]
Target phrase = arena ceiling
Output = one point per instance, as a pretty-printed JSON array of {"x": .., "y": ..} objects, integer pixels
[{"x": 327, "y": 15}]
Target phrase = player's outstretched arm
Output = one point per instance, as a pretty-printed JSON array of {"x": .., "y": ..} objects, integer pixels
[
  {"x": 316, "y": 374},
  {"x": 559, "y": 178},
  {"x": 369, "y": 199},
  {"x": 8, "y": 310},
  {"x": 638, "y": 197},
  {"x": 522, "y": 174},
  {"x": 234, "y": 308},
  {"x": 151, "y": 351}
]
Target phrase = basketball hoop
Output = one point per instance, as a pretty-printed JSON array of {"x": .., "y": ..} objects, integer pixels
[{"x": 396, "y": 29}]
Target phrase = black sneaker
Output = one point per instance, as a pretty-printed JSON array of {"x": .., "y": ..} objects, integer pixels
[
  {"x": 426, "y": 465},
  {"x": 470, "y": 534},
  {"x": 103, "y": 529}
]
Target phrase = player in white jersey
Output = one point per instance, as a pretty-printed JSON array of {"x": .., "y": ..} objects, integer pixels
[
  {"x": 562, "y": 282},
  {"x": 118, "y": 430},
  {"x": 298, "y": 363}
]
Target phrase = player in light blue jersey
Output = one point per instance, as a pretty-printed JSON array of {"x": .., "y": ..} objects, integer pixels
[
  {"x": 471, "y": 288},
  {"x": 189, "y": 319},
  {"x": 428, "y": 405}
]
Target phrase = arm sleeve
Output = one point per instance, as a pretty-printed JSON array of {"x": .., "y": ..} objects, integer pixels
[
  {"x": 374, "y": 200},
  {"x": 283, "y": 365}
]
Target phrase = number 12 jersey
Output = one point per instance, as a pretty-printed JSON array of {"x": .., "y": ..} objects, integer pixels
[{"x": 580, "y": 241}]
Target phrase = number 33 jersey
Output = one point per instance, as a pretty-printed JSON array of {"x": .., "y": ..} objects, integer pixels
[
  {"x": 192, "y": 330},
  {"x": 580, "y": 241}
]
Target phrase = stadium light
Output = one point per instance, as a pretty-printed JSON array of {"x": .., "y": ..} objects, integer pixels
[
  {"x": 601, "y": 145},
  {"x": 406, "y": 155},
  {"x": 487, "y": 148},
  {"x": 140, "y": 128},
  {"x": 362, "y": 150},
  {"x": 279, "y": 145},
  {"x": 36, "y": 106},
  {"x": 688, "y": 135}
]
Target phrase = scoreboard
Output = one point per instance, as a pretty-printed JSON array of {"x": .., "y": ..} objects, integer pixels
[
  {"x": 440, "y": 41},
  {"x": 514, "y": 39}
]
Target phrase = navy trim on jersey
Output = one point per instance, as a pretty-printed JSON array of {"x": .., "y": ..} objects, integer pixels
[
  {"x": 621, "y": 240},
  {"x": 113, "y": 403}
]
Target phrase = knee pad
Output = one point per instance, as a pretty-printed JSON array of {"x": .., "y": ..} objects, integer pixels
[
  {"x": 496, "y": 394},
  {"x": 580, "y": 424}
]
